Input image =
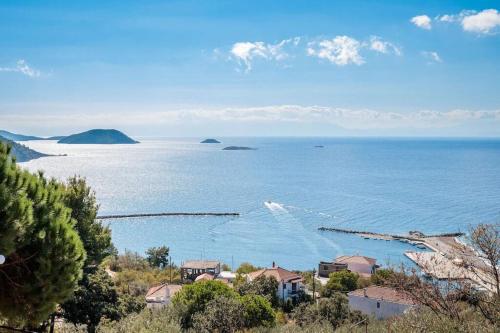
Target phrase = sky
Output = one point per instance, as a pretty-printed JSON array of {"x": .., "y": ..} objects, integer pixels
[{"x": 251, "y": 68}]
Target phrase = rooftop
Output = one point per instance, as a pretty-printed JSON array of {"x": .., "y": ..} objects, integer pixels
[
  {"x": 280, "y": 274},
  {"x": 163, "y": 290},
  {"x": 201, "y": 264},
  {"x": 383, "y": 293},
  {"x": 204, "y": 276},
  {"x": 356, "y": 260}
]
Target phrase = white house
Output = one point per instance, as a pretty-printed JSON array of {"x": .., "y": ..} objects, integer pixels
[
  {"x": 380, "y": 302},
  {"x": 289, "y": 283},
  {"x": 161, "y": 295}
]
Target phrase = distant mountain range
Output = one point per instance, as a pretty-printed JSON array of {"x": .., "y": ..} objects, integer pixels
[
  {"x": 98, "y": 136},
  {"x": 21, "y": 152}
]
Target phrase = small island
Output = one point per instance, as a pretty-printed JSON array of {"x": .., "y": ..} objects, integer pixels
[
  {"x": 319, "y": 146},
  {"x": 210, "y": 141},
  {"x": 98, "y": 136},
  {"x": 238, "y": 148}
]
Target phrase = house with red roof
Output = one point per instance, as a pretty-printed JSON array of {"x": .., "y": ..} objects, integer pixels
[{"x": 289, "y": 283}]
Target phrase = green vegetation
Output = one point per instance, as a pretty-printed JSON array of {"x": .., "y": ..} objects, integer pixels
[
  {"x": 157, "y": 256},
  {"x": 266, "y": 287},
  {"x": 333, "y": 311},
  {"x": 342, "y": 281},
  {"x": 196, "y": 296},
  {"x": 21, "y": 152},
  {"x": 44, "y": 255}
]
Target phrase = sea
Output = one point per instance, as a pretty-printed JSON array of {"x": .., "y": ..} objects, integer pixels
[{"x": 284, "y": 191}]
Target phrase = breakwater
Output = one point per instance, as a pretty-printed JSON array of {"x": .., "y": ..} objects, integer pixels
[
  {"x": 413, "y": 235},
  {"x": 125, "y": 216}
]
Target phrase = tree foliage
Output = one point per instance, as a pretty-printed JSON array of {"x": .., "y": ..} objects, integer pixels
[
  {"x": 44, "y": 254},
  {"x": 264, "y": 286},
  {"x": 96, "y": 298},
  {"x": 343, "y": 281},
  {"x": 96, "y": 238},
  {"x": 258, "y": 311},
  {"x": 196, "y": 296},
  {"x": 222, "y": 314},
  {"x": 157, "y": 256},
  {"x": 334, "y": 311}
]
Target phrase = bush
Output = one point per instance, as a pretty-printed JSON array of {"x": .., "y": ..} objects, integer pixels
[
  {"x": 334, "y": 311},
  {"x": 264, "y": 286},
  {"x": 148, "y": 321},
  {"x": 258, "y": 311},
  {"x": 343, "y": 281},
  {"x": 195, "y": 297},
  {"x": 222, "y": 314}
]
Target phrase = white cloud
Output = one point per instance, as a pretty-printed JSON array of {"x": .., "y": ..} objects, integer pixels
[
  {"x": 483, "y": 22},
  {"x": 379, "y": 45},
  {"x": 341, "y": 50},
  {"x": 246, "y": 52},
  {"x": 23, "y": 68},
  {"x": 422, "y": 21},
  {"x": 432, "y": 56}
]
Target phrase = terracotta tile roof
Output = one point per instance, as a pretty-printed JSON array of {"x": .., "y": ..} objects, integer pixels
[
  {"x": 204, "y": 276},
  {"x": 201, "y": 264},
  {"x": 162, "y": 290},
  {"x": 356, "y": 260},
  {"x": 280, "y": 274},
  {"x": 383, "y": 293}
]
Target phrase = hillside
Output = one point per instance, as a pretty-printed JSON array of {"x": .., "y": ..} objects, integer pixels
[
  {"x": 18, "y": 137},
  {"x": 98, "y": 136},
  {"x": 21, "y": 152}
]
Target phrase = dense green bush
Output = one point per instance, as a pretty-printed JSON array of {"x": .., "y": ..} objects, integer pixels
[
  {"x": 195, "y": 297},
  {"x": 334, "y": 311},
  {"x": 342, "y": 281},
  {"x": 258, "y": 311},
  {"x": 266, "y": 287}
]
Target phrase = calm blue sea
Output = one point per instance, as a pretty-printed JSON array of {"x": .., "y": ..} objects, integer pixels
[{"x": 384, "y": 185}]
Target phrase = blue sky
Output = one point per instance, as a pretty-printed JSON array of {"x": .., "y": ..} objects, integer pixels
[{"x": 197, "y": 68}]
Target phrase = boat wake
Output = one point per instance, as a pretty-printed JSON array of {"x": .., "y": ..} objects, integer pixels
[{"x": 275, "y": 207}]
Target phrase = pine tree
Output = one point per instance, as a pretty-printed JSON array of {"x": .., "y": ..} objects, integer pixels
[{"x": 44, "y": 254}]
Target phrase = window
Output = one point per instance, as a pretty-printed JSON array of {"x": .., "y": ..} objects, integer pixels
[{"x": 378, "y": 305}]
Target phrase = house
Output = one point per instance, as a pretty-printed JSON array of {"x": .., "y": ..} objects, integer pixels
[
  {"x": 380, "y": 302},
  {"x": 326, "y": 268},
  {"x": 204, "y": 277},
  {"x": 191, "y": 269},
  {"x": 227, "y": 276},
  {"x": 289, "y": 283},
  {"x": 364, "y": 266},
  {"x": 161, "y": 295}
]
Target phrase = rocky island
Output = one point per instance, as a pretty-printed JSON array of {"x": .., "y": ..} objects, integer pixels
[
  {"x": 238, "y": 148},
  {"x": 98, "y": 136},
  {"x": 210, "y": 141}
]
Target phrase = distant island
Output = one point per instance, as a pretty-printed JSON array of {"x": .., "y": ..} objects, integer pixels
[
  {"x": 22, "y": 137},
  {"x": 98, "y": 136},
  {"x": 210, "y": 141},
  {"x": 18, "y": 137},
  {"x": 319, "y": 146},
  {"x": 21, "y": 152},
  {"x": 238, "y": 148}
]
